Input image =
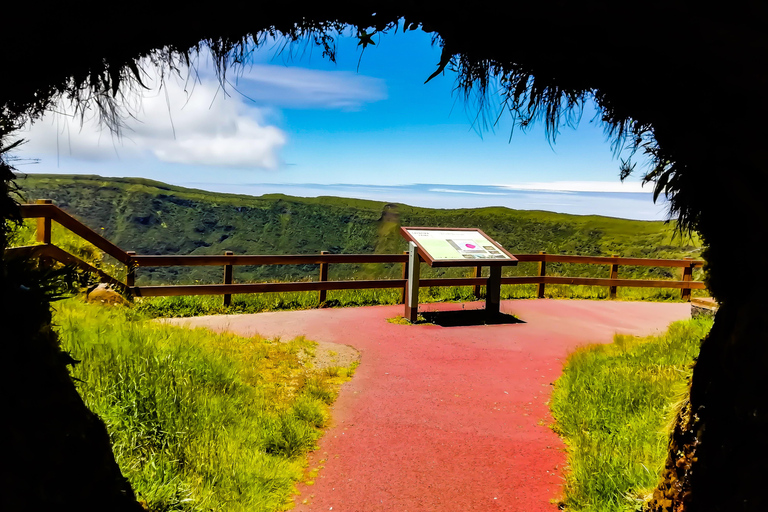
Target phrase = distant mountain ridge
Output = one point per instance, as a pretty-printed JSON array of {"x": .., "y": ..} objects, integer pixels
[{"x": 152, "y": 217}]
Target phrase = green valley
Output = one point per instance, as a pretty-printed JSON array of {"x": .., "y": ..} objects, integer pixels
[{"x": 151, "y": 217}]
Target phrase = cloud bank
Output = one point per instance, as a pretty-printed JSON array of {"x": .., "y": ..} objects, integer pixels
[
  {"x": 200, "y": 124},
  {"x": 581, "y": 186},
  {"x": 173, "y": 122}
]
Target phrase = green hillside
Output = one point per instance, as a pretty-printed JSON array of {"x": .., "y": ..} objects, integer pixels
[{"x": 150, "y": 217}]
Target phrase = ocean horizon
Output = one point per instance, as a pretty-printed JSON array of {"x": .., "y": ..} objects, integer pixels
[{"x": 625, "y": 205}]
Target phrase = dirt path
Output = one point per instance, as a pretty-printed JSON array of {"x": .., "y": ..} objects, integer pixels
[{"x": 448, "y": 418}]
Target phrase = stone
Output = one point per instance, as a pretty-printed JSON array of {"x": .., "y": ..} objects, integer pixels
[
  {"x": 105, "y": 294},
  {"x": 703, "y": 307}
]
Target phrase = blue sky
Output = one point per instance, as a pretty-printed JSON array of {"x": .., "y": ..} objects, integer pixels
[{"x": 295, "y": 118}]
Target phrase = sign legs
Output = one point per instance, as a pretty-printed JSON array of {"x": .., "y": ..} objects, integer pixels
[
  {"x": 493, "y": 291},
  {"x": 412, "y": 286}
]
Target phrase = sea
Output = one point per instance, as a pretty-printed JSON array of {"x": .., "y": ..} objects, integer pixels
[{"x": 625, "y": 205}]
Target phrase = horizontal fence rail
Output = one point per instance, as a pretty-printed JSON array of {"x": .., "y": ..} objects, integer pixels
[
  {"x": 599, "y": 281},
  {"x": 46, "y": 212},
  {"x": 57, "y": 254},
  {"x": 259, "y": 259},
  {"x": 608, "y": 260}
]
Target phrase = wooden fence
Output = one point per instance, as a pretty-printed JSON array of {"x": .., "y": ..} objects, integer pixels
[{"x": 46, "y": 212}]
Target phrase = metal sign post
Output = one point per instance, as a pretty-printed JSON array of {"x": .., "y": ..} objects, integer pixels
[
  {"x": 412, "y": 288},
  {"x": 493, "y": 291}
]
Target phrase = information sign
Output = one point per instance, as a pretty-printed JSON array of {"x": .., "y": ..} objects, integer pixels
[{"x": 452, "y": 247}]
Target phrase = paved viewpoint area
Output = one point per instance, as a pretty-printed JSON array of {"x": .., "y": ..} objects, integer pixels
[{"x": 448, "y": 418}]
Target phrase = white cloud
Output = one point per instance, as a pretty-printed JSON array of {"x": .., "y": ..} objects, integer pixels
[
  {"x": 310, "y": 88},
  {"x": 192, "y": 124},
  {"x": 453, "y": 191},
  {"x": 581, "y": 186},
  {"x": 198, "y": 123}
]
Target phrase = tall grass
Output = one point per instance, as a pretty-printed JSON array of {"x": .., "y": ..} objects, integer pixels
[
  {"x": 613, "y": 406},
  {"x": 199, "y": 421}
]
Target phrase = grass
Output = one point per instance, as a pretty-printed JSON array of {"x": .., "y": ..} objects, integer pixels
[
  {"x": 613, "y": 406},
  {"x": 166, "y": 307},
  {"x": 199, "y": 421},
  {"x": 400, "y": 320}
]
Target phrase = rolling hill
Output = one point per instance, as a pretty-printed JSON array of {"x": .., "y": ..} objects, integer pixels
[{"x": 151, "y": 217}]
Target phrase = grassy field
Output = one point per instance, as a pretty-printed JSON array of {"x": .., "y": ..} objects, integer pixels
[
  {"x": 199, "y": 421},
  {"x": 613, "y": 406},
  {"x": 213, "y": 304}
]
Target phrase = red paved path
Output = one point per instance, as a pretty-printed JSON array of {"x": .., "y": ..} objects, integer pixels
[{"x": 448, "y": 419}]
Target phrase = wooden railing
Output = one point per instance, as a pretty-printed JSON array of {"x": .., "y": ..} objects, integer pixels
[
  {"x": 51, "y": 252},
  {"x": 46, "y": 212}
]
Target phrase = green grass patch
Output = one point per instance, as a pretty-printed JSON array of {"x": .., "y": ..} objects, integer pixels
[
  {"x": 198, "y": 420},
  {"x": 401, "y": 320},
  {"x": 613, "y": 406},
  {"x": 167, "y": 307}
]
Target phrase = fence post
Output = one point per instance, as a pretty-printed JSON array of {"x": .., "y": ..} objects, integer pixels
[
  {"x": 685, "y": 293},
  {"x": 323, "y": 294},
  {"x": 614, "y": 275},
  {"x": 44, "y": 224},
  {"x": 478, "y": 273},
  {"x": 542, "y": 273},
  {"x": 405, "y": 276},
  {"x": 228, "y": 279},
  {"x": 130, "y": 271}
]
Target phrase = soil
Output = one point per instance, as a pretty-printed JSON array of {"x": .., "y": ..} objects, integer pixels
[{"x": 329, "y": 354}]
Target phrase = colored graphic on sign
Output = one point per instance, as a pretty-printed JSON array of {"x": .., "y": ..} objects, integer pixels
[{"x": 457, "y": 244}]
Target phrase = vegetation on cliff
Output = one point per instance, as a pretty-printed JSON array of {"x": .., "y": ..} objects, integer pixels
[{"x": 150, "y": 217}]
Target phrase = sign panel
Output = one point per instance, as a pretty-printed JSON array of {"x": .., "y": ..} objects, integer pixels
[{"x": 457, "y": 247}]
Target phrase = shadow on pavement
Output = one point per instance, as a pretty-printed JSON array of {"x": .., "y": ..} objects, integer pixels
[{"x": 464, "y": 318}]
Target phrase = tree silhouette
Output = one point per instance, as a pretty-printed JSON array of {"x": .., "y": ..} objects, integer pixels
[{"x": 680, "y": 82}]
